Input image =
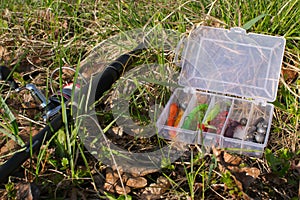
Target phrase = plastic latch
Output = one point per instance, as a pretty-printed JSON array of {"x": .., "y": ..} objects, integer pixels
[
  {"x": 189, "y": 90},
  {"x": 238, "y": 30}
]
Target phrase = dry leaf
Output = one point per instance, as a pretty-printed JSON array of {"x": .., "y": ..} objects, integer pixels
[
  {"x": 238, "y": 183},
  {"x": 246, "y": 175},
  {"x": 163, "y": 182},
  {"x": 136, "y": 182},
  {"x": 65, "y": 24},
  {"x": 273, "y": 178},
  {"x": 138, "y": 171},
  {"x": 7, "y": 14},
  {"x": 8, "y": 146},
  {"x": 109, "y": 187},
  {"x": 121, "y": 190},
  {"x": 27, "y": 191},
  {"x": 155, "y": 189},
  {"x": 24, "y": 191},
  {"x": 295, "y": 166},
  {"x": 244, "y": 179},
  {"x": 217, "y": 153},
  {"x": 3, "y": 51},
  {"x": 231, "y": 159},
  {"x": 243, "y": 176},
  {"x": 289, "y": 75},
  {"x": 251, "y": 171},
  {"x": 110, "y": 177}
]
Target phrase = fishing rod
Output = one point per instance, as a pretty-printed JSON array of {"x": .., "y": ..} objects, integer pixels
[{"x": 101, "y": 82}]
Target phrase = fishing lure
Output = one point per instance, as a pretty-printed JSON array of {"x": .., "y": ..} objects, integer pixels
[
  {"x": 173, "y": 117},
  {"x": 212, "y": 114},
  {"x": 230, "y": 130},
  {"x": 172, "y": 114},
  {"x": 217, "y": 123},
  {"x": 172, "y": 133},
  {"x": 195, "y": 115},
  {"x": 178, "y": 118}
]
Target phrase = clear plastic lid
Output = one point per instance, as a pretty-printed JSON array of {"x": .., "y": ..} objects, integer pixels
[{"x": 232, "y": 62}]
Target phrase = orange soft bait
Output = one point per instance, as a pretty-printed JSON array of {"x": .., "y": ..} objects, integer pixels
[
  {"x": 172, "y": 114},
  {"x": 176, "y": 123},
  {"x": 178, "y": 118}
]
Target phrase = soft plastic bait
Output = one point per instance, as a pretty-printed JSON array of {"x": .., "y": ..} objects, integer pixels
[
  {"x": 172, "y": 114},
  {"x": 196, "y": 114},
  {"x": 178, "y": 118}
]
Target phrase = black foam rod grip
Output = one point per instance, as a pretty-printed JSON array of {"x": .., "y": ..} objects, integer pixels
[
  {"x": 20, "y": 157},
  {"x": 103, "y": 81}
]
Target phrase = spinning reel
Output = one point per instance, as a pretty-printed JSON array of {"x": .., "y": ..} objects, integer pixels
[{"x": 50, "y": 106}]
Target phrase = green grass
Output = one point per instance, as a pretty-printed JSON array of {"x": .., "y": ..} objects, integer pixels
[{"x": 39, "y": 36}]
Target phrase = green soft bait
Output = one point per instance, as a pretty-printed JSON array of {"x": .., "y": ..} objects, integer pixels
[
  {"x": 194, "y": 116},
  {"x": 212, "y": 113}
]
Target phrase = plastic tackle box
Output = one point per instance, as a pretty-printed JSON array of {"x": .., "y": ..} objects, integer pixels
[{"x": 228, "y": 78}]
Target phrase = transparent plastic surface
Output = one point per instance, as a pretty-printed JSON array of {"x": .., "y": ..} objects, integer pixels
[
  {"x": 227, "y": 62},
  {"x": 232, "y": 62}
]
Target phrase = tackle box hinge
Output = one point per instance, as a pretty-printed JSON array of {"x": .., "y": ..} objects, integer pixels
[
  {"x": 189, "y": 90},
  {"x": 260, "y": 102}
]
